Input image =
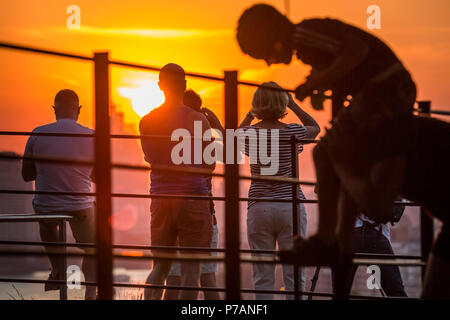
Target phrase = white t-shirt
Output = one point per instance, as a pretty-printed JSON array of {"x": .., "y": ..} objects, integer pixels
[
  {"x": 385, "y": 231},
  {"x": 62, "y": 177}
]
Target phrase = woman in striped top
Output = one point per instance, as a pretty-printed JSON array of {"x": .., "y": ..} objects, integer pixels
[{"x": 270, "y": 223}]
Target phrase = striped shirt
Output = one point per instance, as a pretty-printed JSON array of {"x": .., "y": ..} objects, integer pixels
[{"x": 266, "y": 138}]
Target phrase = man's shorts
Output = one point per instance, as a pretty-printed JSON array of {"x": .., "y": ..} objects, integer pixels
[
  {"x": 188, "y": 221},
  {"x": 82, "y": 224},
  {"x": 207, "y": 267}
]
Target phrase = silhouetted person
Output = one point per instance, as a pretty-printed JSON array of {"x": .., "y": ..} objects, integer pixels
[
  {"x": 57, "y": 177},
  {"x": 375, "y": 150},
  {"x": 207, "y": 269},
  {"x": 188, "y": 221}
]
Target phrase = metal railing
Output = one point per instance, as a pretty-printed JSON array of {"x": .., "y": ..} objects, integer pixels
[{"x": 104, "y": 248}]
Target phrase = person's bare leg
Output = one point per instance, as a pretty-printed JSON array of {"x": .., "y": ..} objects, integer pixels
[
  {"x": 190, "y": 276},
  {"x": 157, "y": 276},
  {"x": 89, "y": 270},
  {"x": 171, "y": 294},
  {"x": 328, "y": 187},
  {"x": 437, "y": 279},
  {"x": 208, "y": 280},
  {"x": 49, "y": 233}
]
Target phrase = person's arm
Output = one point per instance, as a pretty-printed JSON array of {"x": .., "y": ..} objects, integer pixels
[
  {"x": 312, "y": 127},
  {"x": 198, "y": 116},
  {"x": 143, "y": 140},
  {"x": 28, "y": 166},
  {"x": 352, "y": 54},
  {"x": 247, "y": 120},
  {"x": 213, "y": 120},
  {"x": 93, "y": 176}
]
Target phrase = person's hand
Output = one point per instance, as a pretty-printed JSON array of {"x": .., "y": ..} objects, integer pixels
[
  {"x": 250, "y": 113},
  {"x": 212, "y": 118},
  {"x": 291, "y": 101},
  {"x": 302, "y": 91}
]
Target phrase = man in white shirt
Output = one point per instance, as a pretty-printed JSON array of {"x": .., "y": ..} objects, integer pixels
[
  {"x": 373, "y": 237},
  {"x": 62, "y": 177}
]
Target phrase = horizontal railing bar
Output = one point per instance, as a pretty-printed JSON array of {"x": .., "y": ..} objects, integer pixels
[
  {"x": 45, "y": 51},
  {"x": 216, "y": 289},
  {"x": 121, "y": 246},
  {"x": 117, "y": 136},
  {"x": 56, "y": 193},
  {"x": 393, "y": 262},
  {"x": 33, "y": 218},
  {"x": 434, "y": 111},
  {"x": 176, "y": 196},
  {"x": 90, "y": 135},
  {"x": 172, "y": 248},
  {"x": 112, "y": 62},
  {"x": 145, "y": 196},
  {"x": 279, "y": 200},
  {"x": 258, "y": 85},
  {"x": 46, "y": 134},
  {"x": 384, "y": 256},
  {"x": 197, "y": 257},
  {"x": 187, "y": 170},
  {"x": 115, "y": 284},
  {"x": 139, "y": 256},
  {"x": 135, "y": 256},
  {"x": 150, "y": 68},
  {"x": 440, "y": 112},
  {"x": 280, "y": 179}
]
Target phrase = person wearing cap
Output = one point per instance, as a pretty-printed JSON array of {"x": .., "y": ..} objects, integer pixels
[
  {"x": 175, "y": 220},
  {"x": 62, "y": 177}
]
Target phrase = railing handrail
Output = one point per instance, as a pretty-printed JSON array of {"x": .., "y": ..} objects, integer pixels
[
  {"x": 34, "y": 218},
  {"x": 104, "y": 168}
]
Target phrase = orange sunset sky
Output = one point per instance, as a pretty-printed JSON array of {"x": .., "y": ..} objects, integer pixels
[{"x": 197, "y": 34}]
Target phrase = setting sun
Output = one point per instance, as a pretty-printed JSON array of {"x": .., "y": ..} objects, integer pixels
[{"x": 144, "y": 98}]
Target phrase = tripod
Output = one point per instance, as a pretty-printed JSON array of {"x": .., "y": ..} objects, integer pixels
[{"x": 315, "y": 278}]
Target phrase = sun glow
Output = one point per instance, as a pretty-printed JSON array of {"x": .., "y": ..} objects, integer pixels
[{"x": 144, "y": 98}]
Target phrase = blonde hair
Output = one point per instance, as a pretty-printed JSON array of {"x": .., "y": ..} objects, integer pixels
[{"x": 269, "y": 104}]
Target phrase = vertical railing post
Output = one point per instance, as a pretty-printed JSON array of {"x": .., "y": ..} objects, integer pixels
[
  {"x": 339, "y": 271},
  {"x": 426, "y": 220},
  {"x": 232, "y": 217},
  {"x": 102, "y": 171},
  {"x": 63, "y": 271},
  {"x": 295, "y": 204}
]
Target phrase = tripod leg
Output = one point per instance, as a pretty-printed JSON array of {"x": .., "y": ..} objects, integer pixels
[{"x": 314, "y": 281}]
